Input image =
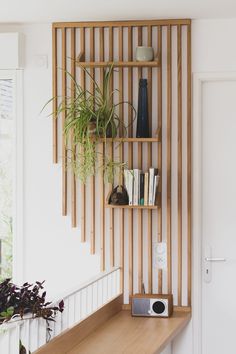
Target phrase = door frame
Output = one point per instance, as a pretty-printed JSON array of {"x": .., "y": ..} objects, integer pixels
[{"x": 198, "y": 80}]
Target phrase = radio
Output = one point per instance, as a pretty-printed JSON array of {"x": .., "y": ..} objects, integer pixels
[{"x": 152, "y": 305}]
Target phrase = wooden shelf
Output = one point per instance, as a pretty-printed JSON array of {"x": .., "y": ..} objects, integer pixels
[
  {"x": 126, "y": 334},
  {"x": 156, "y": 139},
  {"x": 119, "y": 64},
  {"x": 132, "y": 206},
  {"x": 131, "y": 140},
  {"x": 111, "y": 325}
]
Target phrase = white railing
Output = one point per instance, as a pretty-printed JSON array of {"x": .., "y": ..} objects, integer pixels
[{"x": 79, "y": 304}]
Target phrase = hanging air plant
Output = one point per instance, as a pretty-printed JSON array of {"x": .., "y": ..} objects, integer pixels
[{"x": 90, "y": 117}]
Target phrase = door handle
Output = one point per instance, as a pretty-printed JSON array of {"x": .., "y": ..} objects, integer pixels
[{"x": 208, "y": 259}]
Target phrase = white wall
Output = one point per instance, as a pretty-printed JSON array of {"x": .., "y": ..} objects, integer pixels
[
  {"x": 52, "y": 249},
  {"x": 212, "y": 51}
]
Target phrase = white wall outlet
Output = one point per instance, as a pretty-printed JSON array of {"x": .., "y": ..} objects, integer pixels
[
  {"x": 160, "y": 255},
  {"x": 41, "y": 61}
]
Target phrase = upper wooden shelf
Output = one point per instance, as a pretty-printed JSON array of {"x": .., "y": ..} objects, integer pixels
[{"x": 119, "y": 64}]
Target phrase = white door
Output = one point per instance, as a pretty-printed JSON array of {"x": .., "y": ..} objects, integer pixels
[{"x": 218, "y": 209}]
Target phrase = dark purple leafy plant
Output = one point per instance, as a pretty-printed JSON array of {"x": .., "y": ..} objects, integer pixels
[{"x": 27, "y": 299}]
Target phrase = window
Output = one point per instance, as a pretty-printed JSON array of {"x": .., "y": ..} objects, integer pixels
[
  {"x": 6, "y": 176},
  {"x": 10, "y": 181}
]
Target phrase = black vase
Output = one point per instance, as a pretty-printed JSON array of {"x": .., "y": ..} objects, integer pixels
[{"x": 142, "y": 120}]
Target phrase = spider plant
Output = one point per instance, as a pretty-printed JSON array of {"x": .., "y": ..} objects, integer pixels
[{"x": 90, "y": 116}]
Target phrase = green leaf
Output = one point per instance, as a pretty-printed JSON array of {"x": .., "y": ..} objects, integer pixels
[{"x": 10, "y": 311}]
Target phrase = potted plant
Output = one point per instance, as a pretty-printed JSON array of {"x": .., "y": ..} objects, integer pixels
[
  {"x": 26, "y": 302},
  {"x": 90, "y": 117}
]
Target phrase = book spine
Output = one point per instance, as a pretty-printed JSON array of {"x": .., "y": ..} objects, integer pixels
[
  {"x": 141, "y": 188},
  {"x": 130, "y": 183},
  {"x": 151, "y": 182},
  {"x": 126, "y": 181},
  {"x": 146, "y": 182},
  {"x": 136, "y": 187},
  {"x": 156, "y": 182}
]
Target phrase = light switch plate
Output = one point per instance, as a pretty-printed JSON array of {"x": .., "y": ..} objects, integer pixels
[{"x": 160, "y": 255}]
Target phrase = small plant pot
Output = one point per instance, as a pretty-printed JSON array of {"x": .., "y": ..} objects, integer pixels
[{"x": 92, "y": 128}]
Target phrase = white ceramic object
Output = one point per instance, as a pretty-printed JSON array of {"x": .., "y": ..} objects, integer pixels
[{"x": 144, "y": 53}]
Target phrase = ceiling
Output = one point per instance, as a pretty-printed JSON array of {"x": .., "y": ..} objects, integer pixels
[{"x": 77, "y": 10}]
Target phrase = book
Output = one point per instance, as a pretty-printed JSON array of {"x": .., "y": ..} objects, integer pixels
[
  {"x": 152, "y": 173},
  {"x": 130, "y": 186},
  {"x": 156, "y": 182},
  {"x": 126, "y": 181},
  {"x": 141, "y": 189},
  {"x": 136, "y": 190},
  {"x": 146, "y": 182}
]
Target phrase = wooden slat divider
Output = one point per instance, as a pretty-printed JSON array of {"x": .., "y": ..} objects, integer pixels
[
  {"x": 121, "y": 156},
  {"x": 112, "y": 253},
  {"x": 106, "y": 147},
  {"x": 92, "y": 232},
  {"x": 149, "y": 157},
  {"x": 73, "y": 155},
  {"x": 180, "y": 152},
  {"x": 140, "y": 212},
  {"x": 130, "y": 156},
  {"x": 63, "y": 115},
  {"x": 102, "y": 187},
  {"x": 159, "y": 102},
  {"x": 169, "y": 116},
  {"x": 54, "y": 94},
  {"x": 83, "y": 189},
  {"x": 189, "y": 160}
]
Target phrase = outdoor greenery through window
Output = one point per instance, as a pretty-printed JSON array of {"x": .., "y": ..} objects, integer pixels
[{"x": 6, "y": 176}]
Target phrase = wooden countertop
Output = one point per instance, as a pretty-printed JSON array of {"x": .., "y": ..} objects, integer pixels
[{"x": 128, "y": 335}]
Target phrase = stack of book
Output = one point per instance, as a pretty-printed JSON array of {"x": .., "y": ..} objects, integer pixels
[{"x": 142, "y": 187}]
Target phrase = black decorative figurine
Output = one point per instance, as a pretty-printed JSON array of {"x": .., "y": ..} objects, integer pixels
[
  {"x": 119, "y": 196},
  {"x": 142, "y": 121}
]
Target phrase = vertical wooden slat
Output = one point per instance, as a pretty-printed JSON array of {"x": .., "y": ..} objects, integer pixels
[
  {"x": 169, "y": 108},
  {"x": 54, "y": 93},
  {"x": 159, "y": 102},
  {"x": 102, "y": 187},
  {"x": 92, "y": 235},
  {"x": 130, "y": 157},
  {"x": 73, "y": 156},
  {"x": 189, "y": 159},
  {"x": 121, "y": 155},
  {"x": 140, "y": 212},
  {"x": 63, "y": 116},
  {"x": 83, "y": 189},
  {"x": 149, "y": 157},
  {"x": 179, "y": 63},
  {"x": 112, "y": 253}
]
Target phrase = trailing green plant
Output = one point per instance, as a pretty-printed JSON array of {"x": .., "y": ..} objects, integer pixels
[{"x": 90, "y": 117}]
